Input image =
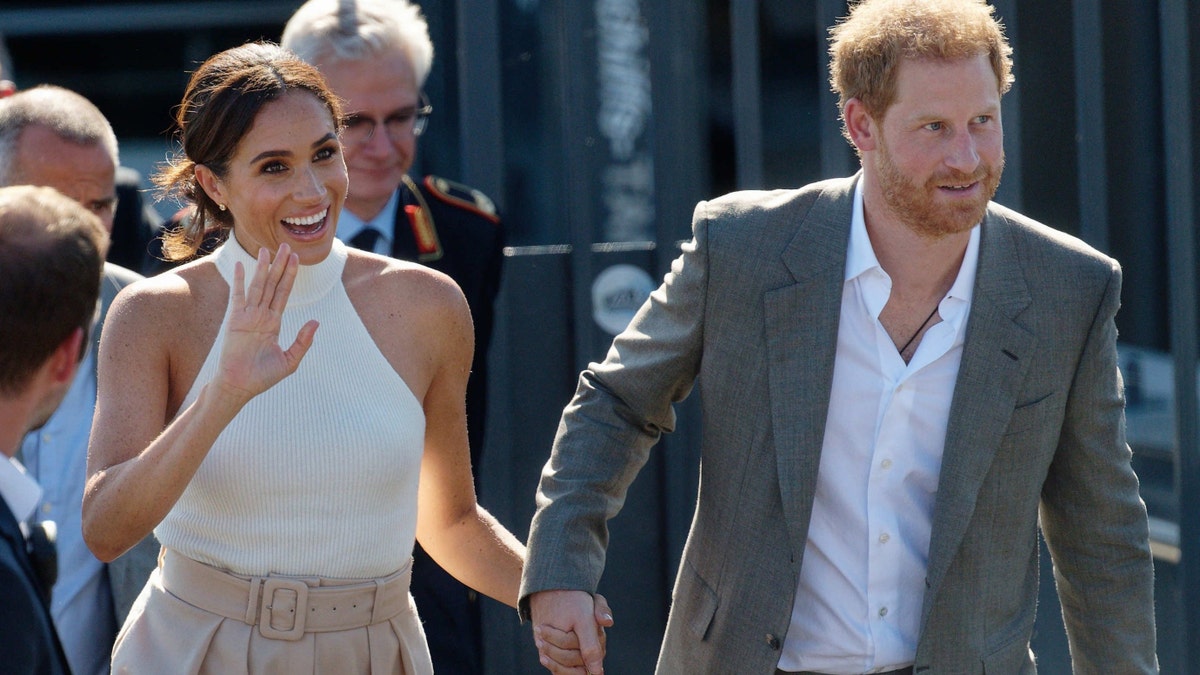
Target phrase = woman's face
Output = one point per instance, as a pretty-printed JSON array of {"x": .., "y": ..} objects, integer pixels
[{"x": 286, "y": 182}]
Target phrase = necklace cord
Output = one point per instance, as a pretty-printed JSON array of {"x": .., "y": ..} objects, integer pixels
[{"x": 919, "y": 329}]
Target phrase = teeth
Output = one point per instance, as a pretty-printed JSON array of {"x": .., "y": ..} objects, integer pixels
[{"x": 311, "y": 220}]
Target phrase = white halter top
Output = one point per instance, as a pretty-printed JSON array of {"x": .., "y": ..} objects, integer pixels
[{"x": 316, "y": 476}]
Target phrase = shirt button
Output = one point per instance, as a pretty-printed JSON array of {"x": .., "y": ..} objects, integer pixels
[
  {"x": 884, "y": 538},
  {"x": 772, "y": 642},
  {"x": 886, "y": 464},
  {"x": 47, "y": 507},
  {"x": 882, "y": 612}
]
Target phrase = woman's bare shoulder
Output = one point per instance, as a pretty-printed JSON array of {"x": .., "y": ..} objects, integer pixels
[{"x": 169, "y": 299}]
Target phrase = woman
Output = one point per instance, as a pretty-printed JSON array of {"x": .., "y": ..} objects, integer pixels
[{"x": 286, "y": 485}]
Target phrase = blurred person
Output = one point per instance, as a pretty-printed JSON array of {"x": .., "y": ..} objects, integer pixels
[
  {"x": 134, "y": 223},
  {"x": 7, "y": 84},
  {"x": 901, "y": 380},
  {"x": 54, "y": 137},
  {"x": 287, "y": 482},
  {"x": 51, "y": 254},
  {"x": 376, "y": 56}
]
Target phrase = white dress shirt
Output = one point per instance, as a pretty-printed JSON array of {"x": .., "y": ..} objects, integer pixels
[
  {"x": 20, "y": 492},
  {"x": 349, "y": 225},
  {"x": 862, "y": 582}
]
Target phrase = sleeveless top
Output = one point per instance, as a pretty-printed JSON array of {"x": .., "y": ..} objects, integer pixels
[{"x": 317, "y": 476}]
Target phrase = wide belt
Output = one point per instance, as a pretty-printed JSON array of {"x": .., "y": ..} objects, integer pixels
[{"x": 285, "y": 608}]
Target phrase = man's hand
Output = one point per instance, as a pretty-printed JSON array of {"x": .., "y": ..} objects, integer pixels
[{"x": 568, "y": 628}]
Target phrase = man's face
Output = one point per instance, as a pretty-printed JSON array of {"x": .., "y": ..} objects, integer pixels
[
  {"x": 940, "y": 148},
  {"x": 84, "y": 173},
  {"x": 376, "y": 89}
]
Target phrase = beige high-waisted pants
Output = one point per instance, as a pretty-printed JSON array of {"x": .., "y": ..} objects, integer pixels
[{"x": 192, "y": 618}]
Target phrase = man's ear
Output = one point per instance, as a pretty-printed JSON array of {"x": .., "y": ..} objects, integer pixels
[
  {"x": 66, "y": 357},
  {"x": 210, "y": 183},
  {"x": 861, "y": 125}
]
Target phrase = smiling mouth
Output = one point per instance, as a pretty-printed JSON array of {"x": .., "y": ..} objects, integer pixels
[{"x": 307, "y": 224}]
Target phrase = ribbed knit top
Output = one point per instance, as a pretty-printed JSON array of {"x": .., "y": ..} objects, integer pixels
[{"x": 317, "y": 476}]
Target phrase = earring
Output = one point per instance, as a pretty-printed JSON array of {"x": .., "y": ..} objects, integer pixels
[{"x": 221, "y": 206}]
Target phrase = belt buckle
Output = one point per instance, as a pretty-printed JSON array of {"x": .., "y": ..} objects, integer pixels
[{"x": 281, "y": 596}]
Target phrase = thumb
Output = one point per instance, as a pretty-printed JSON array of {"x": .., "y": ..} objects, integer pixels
[{"x": 590, "y": 650}]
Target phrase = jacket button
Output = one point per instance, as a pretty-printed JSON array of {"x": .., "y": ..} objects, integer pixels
[{"x": 772, "y": 642}]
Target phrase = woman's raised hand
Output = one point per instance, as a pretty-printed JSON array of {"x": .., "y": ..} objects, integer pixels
[{"x": 251, "y": 359}]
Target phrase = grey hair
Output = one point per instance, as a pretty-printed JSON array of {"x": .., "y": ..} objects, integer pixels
[
  {"x": 353, "y": 30},
  {"x": 70, "y": 116}
]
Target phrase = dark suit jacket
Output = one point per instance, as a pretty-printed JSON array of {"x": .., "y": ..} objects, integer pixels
[
  {"x": 135, "y": 224},
  {"x": 750, "y": 311},
  {"x": 470, "y": 250},
  {"x": 28, "y": 643}
]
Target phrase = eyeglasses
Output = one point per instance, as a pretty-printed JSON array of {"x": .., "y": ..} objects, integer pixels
[{"x": 358, "y": 129}]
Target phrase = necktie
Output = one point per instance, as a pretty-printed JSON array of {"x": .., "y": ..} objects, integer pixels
[{"x": 365, "y": 239}]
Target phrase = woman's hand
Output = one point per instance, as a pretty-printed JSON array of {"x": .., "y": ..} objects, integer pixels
[{"x": 251, "y": 359}]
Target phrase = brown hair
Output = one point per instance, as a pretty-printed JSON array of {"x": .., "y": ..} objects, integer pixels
[
  {"x": 222, "y": 100},
  {"x": 51, "y": 259},
  {"x": 866, "y": 46}
]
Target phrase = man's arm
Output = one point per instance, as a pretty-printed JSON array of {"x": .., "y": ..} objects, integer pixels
[{"x": 1094, "y": 519}]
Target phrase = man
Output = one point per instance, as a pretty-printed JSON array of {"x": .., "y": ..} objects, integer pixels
[
  {"x": 51, "y": 252},
  {"x": 899, "y": 377},
  {"x": 376, "y": 55},
  {"x": 135, "y": 223},
  {"x": 53, "y": 137}
]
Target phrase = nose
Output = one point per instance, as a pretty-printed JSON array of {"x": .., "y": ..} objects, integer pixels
[
  {"x": 310, "y": 187},
  {"x": 963, "y": 153}
]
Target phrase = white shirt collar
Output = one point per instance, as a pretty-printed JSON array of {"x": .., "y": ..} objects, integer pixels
[{"x": 20, "y": 492}]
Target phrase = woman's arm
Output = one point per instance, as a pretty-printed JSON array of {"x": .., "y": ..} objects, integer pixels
[
  {"x": 137, "y": 469},
  {"x": 452, "y": 527}
]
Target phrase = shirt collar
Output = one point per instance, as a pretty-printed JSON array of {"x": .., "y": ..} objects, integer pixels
[
  {"x": 860, "y": 255},
  {"x": 385, "y": 221},
  {"x": 20, "y": 492}
]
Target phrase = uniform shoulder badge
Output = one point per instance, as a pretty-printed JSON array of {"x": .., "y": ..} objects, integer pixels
[{"x": 462, "y": 196}]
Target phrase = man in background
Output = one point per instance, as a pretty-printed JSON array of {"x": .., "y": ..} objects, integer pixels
[
  {"x": 50, "y": 136},
  {"x": 376, "y": 55},
  {"x": 51, "y": 254}
]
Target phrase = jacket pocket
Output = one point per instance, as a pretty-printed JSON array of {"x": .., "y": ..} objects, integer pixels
[{"x": 695, "y": 601}]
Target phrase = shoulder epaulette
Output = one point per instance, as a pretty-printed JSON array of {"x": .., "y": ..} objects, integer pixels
[{"x": 462, "y": 196}]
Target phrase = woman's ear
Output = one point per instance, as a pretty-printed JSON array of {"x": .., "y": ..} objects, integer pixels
[
  {"x": 211, "y": 184},
  {"x": 860, "y": 125}
]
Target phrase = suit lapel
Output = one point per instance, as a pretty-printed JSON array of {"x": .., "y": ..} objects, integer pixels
[
  {"x": 996, "y": 355},
  {"x": 801, "y": 329},
  {"x": 10, "y": 532}
]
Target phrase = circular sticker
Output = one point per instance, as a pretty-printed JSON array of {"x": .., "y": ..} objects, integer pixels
[{"x": 617, "y": 293}]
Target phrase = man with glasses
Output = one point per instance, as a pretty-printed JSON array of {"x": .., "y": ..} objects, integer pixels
[{"x": 376, "y": 55}]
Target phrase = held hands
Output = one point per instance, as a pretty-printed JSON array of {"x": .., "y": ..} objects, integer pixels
[
  {"x": 251, "y": 359},
  {"x": 568, "y": 628}
]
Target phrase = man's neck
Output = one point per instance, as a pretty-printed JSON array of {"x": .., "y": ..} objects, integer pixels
[
  {"x": 366, "y": 210},
  {"x": 14, "y": 416}
]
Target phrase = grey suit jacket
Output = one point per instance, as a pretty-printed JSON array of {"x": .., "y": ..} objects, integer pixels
[
  {"x": 750, "y": 313},
  {"x": 128, "y": 573}
]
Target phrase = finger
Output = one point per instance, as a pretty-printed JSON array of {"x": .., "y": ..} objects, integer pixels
[
  {"x": 591, "y": 650},
  {"x": 603, "y": 612},
  {"x": 258, "y": 282},
  {"x": 283, "y": 289},
  {"x": 275, "y": 274},
  {"x": 561, "y": 640},
  {"x": 300, "y": 345},
  {"x": 239, "y": 286}
]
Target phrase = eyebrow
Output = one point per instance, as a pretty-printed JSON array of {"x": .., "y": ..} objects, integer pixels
[{"x": 267, "y": 154}]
